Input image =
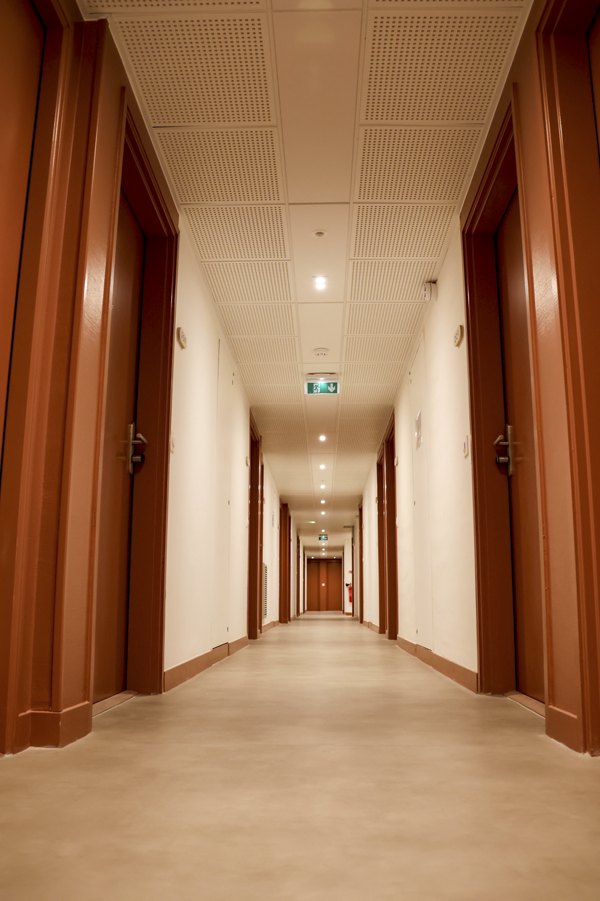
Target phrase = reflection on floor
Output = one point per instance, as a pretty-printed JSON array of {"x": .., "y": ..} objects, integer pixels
[{"x": 320, "y": 763}]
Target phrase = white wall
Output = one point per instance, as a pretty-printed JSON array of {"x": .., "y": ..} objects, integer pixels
[
  {"x": 206, "y": 591},
  {"x": 371, "y": 573},
  {"x": 271, "y": 544},
  {"x": 436, "y": 563}
]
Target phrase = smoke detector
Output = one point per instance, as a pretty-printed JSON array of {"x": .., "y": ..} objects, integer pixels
[
  {"x": 321, "y": 352},
  {"x": 429, "y": 291}
]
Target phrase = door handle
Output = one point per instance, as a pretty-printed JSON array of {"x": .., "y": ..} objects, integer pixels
[
  {"x": 509, "y": 444},
  {"x": 133, "y": 440}
]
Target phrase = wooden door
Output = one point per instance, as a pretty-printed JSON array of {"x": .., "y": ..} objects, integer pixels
[
  {"x": 333, "y": 579},
  {"x": 381, "y": 547},
  {"x": 312, "y": 585},
  {"x": 21, "y": 48},
  {"x": 594, "y": 51},
  {"x": 112, "y": 599},
  {"x": 254, "y": 544},
  {"x": 524, "y": 521}
]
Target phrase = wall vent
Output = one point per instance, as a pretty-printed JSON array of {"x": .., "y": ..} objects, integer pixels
[{"x": 265, "y": 586}]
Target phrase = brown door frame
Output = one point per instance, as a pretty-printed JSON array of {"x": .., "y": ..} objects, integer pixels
[
  {"x": 255, "y": 599},
  {"x": 391, "y": 550},
  {"x": 145, "y": 644},
  {"x": 386, "y": 534},
  {"x": 284, "y": 562},
  {"x": 571, "y": 131},
  {"x": 361, "y": 606},
  {"x": 297, "y": 575},
  {"x": 495, "y": 615},
  {"x": 381, "y": 544}
]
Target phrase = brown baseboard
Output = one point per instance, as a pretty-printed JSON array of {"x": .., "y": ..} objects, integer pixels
[
  {"x": 55, "y": 729},
  {"x": 267, "y": 626},
  {"x": 177, "y": 675},
  {"x": 108, "y": 703},
  {"x": 465, "y": 677},
  {"x": 564, "y": 727}
]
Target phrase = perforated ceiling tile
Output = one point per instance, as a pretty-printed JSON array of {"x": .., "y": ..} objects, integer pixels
[
  {"x": 205, "y": 70},
  {"x": 389, "y": 280},
  {"x": 268, "y": 319},
  {"x": 440, "y": 4},
  {"x": 273, "y": 393},
  {"x": 415, "y": 164},
  {"x": 350, "y": 414},
  {"x": 249, "y": 282},
  {"x": 223, "y": 166},
  {"x": 384, "y": 318},
  {"x": 102, "y": 7},
  {"x": 408, "y": 230},
  {"x": 380, "y": 349},
  {"x": 269, "y": 373},
  {"x": 373, "y": 374},
  {"x": 239, "y": 233},
  {"x": 370, "y": 394},
  {"x": 264, "y": 350},
  {"x": 423, "y": 67}
]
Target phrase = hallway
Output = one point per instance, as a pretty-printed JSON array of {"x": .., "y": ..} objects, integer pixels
[{"x": 320, "y": 763}]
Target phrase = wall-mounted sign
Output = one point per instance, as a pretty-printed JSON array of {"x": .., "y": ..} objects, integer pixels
[
  {"x": 330, "y": 387},
  {"x": 323, "y": 537}
]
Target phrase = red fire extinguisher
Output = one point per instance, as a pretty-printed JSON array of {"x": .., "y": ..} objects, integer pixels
[{"x": 350, "y": 594}]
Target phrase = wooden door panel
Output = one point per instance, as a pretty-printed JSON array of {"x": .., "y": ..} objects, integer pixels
[
  {"x": 594, "y": 51},
  {"x": 112, "y": 599},
  {"x": 21, "y": 48},
  {"x": 334, "y": 585},
  {"x": 312, "y": 585},
  {"x": 524, "y": 518}
]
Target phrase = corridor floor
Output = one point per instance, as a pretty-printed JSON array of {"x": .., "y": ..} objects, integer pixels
[{"x": 322, "y": 762}]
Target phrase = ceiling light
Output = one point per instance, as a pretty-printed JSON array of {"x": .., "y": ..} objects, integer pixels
[
  {"x": 322, "y": 512},
  {"x": 311, "y": 522},
  {"x": 322, "y": 437},
  {"x": 323, "y": 530},
  {"x": 322, "y": 486},
  {"x": 321, "y": 466},
  {"x": 320, "y": 282},
  {"x": 322, "y": 500}
]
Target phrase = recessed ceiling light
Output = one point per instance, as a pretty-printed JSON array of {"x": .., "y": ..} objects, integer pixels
[
  {"x": 322, "y": 486},
  {"x": 323, "y": 530},
  {"x": 320, "y": 282},
  {"x": 322, "y": 512},
  {"x": 321, "y": 466},
  {"x": 311, "y": 522},
  {"x": 322, "y": 500},
  {"x": 322, "y": 437}
]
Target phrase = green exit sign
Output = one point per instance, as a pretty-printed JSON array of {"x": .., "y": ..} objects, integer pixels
[
  {"x": 323, "y": 537},
  {"x": 322, "y": 387}
]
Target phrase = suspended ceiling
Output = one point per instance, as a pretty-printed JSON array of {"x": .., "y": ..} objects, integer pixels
[{"x": 280, "y": 119}]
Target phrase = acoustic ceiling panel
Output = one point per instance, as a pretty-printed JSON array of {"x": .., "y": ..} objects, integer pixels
[
  {"x": 442, "y": 4},
  {"x": 360, "y": 393},
  {"x": 239, "y": 232},
  {"x": 267, "y": 282},
  {"x": 102, "y": 7},
  {"x": 373, "y": 374},
  {"x": 223, "y": 165},
  {"x": 414, "y": 164},
  {"x": 263, "y": 350},
  {"x": 384, "y": 318},
  {"x": 380, "y": 348},
  {"x": 389, "y": 280},
  {"x": 400, "y": 230},
  {"x": 262, "y": 373},
  {"x": 423, "y": 67},
  {"x": 200, "y": 70},
  {"x": 252, "y": 319},
  {"x": 273, "y": 393}
]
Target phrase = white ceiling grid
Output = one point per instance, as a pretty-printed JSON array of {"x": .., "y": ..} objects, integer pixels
[{"x": 232, "y": 89}]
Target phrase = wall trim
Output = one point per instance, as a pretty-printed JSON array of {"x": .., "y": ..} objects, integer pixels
[
  {"x": 183, "y": 672},
  {"x": 465, "y": 677},
  {"x": 271, "y": 625},
  {"x": 373, "y": 626},
  {"x": 55, "y": 728}
]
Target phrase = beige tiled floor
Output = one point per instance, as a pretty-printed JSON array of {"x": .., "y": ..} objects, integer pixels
[{"x": 320, "y": 763}]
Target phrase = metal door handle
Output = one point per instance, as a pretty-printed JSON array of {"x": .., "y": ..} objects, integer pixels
[
  {"x": 134, "y": 438},
  {"x": 509, "y": 444}
]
